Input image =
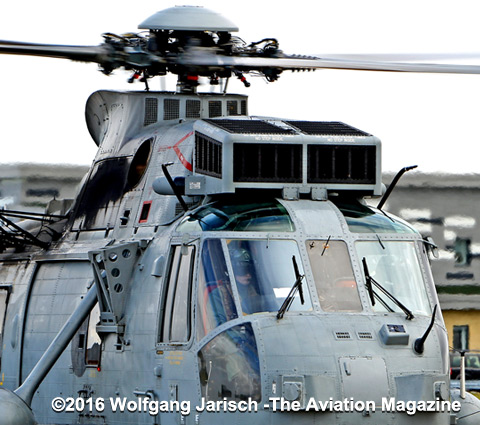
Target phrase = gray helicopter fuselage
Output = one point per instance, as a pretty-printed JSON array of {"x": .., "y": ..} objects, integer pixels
[{"x": 176, "y": 338}]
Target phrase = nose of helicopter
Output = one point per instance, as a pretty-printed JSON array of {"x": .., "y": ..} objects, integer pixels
[{"x": 14, "y": 410}]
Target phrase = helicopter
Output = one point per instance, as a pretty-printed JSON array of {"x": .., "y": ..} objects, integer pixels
[{"x": 219, "y": 266}]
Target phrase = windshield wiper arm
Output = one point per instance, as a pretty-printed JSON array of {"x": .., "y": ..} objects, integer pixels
[
  {"x": 383, "y": 302},
  {"x": 291, "y": 295},
  {"x": 407, "y": 312},
  {"x": 369, "y": 280},
  {"x": 371, "y": 292}
]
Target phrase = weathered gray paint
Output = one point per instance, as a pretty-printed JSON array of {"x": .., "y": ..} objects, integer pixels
[{"x": 299, "y": 351}]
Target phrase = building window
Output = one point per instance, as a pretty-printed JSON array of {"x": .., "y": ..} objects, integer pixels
[
  {"x": 460, "y": 337},
  {"x": 463, "y": 255}
]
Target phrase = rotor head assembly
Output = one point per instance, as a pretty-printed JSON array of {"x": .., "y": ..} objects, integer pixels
[{"x": 193, "y": 42}]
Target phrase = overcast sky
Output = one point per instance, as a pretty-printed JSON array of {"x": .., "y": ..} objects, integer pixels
[{"x": 429, "y": 120}]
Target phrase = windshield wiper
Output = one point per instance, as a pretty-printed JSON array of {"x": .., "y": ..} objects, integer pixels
[
  {"x": 380, "y": 241},
  {"x": 297, "y": 286},
  {"x": 370, "y": 280},
  {"x": 371, "y": 292},
  {"x": 325, "y": 246}
]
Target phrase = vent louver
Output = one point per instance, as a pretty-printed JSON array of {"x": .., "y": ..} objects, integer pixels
[
  {"x": 341, "y": 164},
  {"x": 365, "y": 335},
  {"x": 263, "y": 162},
  {"x": 208, "y": 156},
  {"x": 342, "y": 335}
]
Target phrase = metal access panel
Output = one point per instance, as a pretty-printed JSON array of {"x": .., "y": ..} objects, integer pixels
[
  {"x": 357, "y": 372},
  {"x": 57, "y": 289}
]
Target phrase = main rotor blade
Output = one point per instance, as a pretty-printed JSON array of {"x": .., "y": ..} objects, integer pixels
[
  {"x": 299, "y": 62},
  {"x": 402, "y": 57},
  {"x": 77, "y": 53},
  {"x": 198, "y": 57},
  {"x": 400, "y": 66}
]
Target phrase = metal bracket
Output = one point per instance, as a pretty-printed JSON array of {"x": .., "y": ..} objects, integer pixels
[
  {"x": 291, "y": 193},
  {"x": 113, "y": 269}
]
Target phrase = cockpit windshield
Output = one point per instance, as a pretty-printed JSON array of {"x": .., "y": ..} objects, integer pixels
[
  {"x": 364, "y": 219},
  {"x": 240, "y": 216},
  {"x": 264, "y": 274},
  {"x": 395, "y": 266},
  {"x": 333, "y": 274}
]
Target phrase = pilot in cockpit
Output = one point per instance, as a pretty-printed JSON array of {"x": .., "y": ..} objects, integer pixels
[{"x": 245, "y": 276}]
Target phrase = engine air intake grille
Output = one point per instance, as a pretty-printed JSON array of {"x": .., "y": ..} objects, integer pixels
[
  {"x": 320, "y": 128},
  {"x": 341, "y": 164},
  {"x": 248, "y": 127},
  {"x": 171, "y": 109},
  {"x": 208, "y": 156},
  {"x": 243, "y": 107},
  {"x": 215, "y": 108},
  {"x": 232, "y": 107},
  {"x": 192, "y": 109},
  {"x": 151, "y": 111},
  {"x": 263, "y": 162}
]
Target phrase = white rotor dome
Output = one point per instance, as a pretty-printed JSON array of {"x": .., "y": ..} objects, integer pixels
[{"x": 188, "y": 18}]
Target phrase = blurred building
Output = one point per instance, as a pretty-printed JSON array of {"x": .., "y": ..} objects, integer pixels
[
  {"x": 29, "y": 187},
  {"x": 447, "y": 208}
]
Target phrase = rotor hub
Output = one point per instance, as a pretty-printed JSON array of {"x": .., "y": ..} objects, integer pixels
[{"x": 188, "y": 18}]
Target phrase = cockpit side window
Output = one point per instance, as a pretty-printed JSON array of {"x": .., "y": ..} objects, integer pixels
[
  {"x": 139, "y": 164},
  {"x": 333, "y": 274},
  {"x": 229, "y": 366},
  {"x": 215, "y": 299},
  {"x": 176, "y": 323}
]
